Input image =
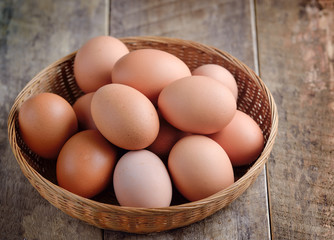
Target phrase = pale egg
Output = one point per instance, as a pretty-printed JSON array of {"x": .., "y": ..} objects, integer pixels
[{"x": 142, "y": 180}]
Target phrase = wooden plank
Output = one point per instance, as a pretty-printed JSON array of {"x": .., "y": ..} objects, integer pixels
[
  {"x": 297, "y": 62},
  {"x": 34, "y": 34},
  {"x": 225, "y": 25}
]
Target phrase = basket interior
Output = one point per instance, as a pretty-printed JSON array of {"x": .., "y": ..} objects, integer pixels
[{"x": 59, "y": 79}]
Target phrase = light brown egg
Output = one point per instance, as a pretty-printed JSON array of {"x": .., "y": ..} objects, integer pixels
[
  {"x": 85, "y": 163},
  {"x": 219, "y": 73},
  {"x": 125, "y": 116},
  {"x": 46, "y": 122},
  {"x": 142, "y": 180},
  {"x": 242, "y": 139},
  {"x": 95, "y": 60},
  {"x": 197, "y": 104},
  {"x": 199, "y": 167},
  {"x": 149, "y": 71},
  {"x": 82, "y": 110}
]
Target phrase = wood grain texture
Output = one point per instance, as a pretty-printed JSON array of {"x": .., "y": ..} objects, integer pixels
[
  {"x": 224, "y": 24},
  {"x": 227, "y": 26},
  {"x": 296, "y": 55},
  {"x": 33, "y": 35}
]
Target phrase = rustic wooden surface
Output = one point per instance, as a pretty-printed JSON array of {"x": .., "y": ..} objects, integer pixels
[
  {"x": 290, "y": 43},
  {"x": 296, "y": 55},
  {"x": 33, "y": 35}
]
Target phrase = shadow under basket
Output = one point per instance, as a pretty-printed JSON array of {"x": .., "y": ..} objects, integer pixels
[{"x": 103, "y": 211}]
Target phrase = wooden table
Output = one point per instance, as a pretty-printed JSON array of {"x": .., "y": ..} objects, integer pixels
[{"x": 289, "y": 43}]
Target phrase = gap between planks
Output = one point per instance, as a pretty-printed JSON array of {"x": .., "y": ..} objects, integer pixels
[
  {"x": 107, "y": 33},
  {"x": 108, "y": 17},
  {"x": 257, "y": 69}
]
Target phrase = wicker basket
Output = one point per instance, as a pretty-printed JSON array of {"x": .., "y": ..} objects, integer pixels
[{"x": 103, "y": 211}]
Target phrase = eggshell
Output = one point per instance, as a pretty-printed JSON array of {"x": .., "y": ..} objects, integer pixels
[
  {"x": 82, "y": 110},
  {"x": 199, "y": 167},
  {"x": 149, "y": 71},
  {"x": 197, "y": 104},
  {"x": 142, "y": 180},
  {"x": 85, "y": 163},
  {"x": 94, "y": 61},
  {"x": 46, "y": 122},
  {"x": 219, "y": 73},
  {"x": 125, "y": 116},
  {"x": 167, "y": 137},
  {"x": 242, "y": 139}
]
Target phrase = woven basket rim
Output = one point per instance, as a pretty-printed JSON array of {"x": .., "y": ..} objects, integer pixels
[{"x": 259, "y": 163}]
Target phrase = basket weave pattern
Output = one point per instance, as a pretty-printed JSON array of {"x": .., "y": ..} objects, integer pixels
[{"x": 254, "y": 99}]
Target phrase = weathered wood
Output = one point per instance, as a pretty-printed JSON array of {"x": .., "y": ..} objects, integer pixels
[
  {"x": 227, "y": 26},
  {"x": 221, "y": 23},
  {"x": 34, "y": 34},
  {"x": 296, "y": 55}
]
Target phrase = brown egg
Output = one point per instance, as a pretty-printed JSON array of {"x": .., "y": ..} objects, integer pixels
[
  {"x": 219, "y": 73},
  {"x": 95, "y": 60},
  {"x": 85, "y": 163},
  {"x": 242, "y": 139},
  {"x": 46, "y": 122},
  {"x": 125, "y": 116},
  {"x": 167, "y": 137},
  {"x": 149, "y": 71},
  {"x": 82, "y": 110},
  {"x": 197, "y": 104},
  {"x": 199, "y": 167},
  {"x": 142, "y": 180}
]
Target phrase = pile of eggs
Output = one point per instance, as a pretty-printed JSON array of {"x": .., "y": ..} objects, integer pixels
[{"x": 145, "y": 124}]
